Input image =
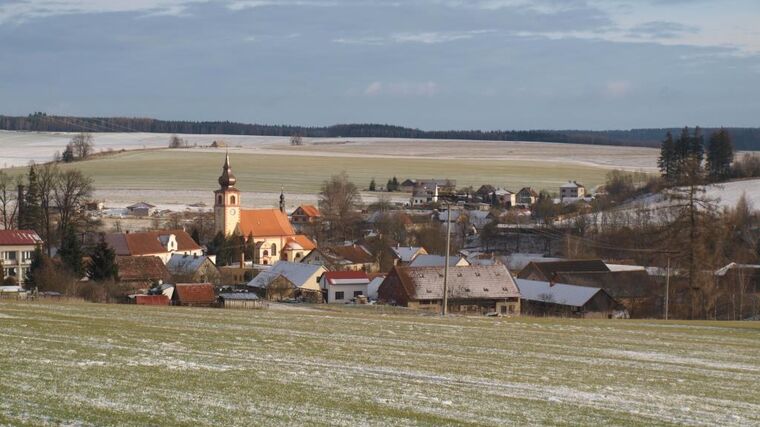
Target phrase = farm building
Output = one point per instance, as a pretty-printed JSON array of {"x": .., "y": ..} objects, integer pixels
[
  {"x": 472, "y": 289},
  {"x": 403, "y": 255},
  {"x": 193, "y": 269},
  {"x": 343, "y": 258},
  {"x": 142, "y": 271},
  {"x": 141, "y": 209},
  {"x": 374, "y": 285},
  {"x": 539, "y": 298},
  {"x": 152, "y": 300},
  {"x": 162, "y": 244},
  {"x": 16, "y": 249},
  {"x": 285, "y": 280},
  {"x": 194, "y": 295},
  {"x": 343, "y": 286},
  {"x": 634, "y": 289},
  {"x": 12, "y": 292},
  {"x": 545, "y": 270},
  {"x": 241, "y": 300}
]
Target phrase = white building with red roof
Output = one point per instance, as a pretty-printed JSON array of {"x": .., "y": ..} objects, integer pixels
[
  {"x": 342, "y": 286},
  {"x": 273, "y": 234},
  {"x": 16, "y": 249}
]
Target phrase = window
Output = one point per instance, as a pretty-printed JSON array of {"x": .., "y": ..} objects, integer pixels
[
  {"x": 219, "y": 200},
  {"x": 232, "y": 200},
  {"x": 339, "y": 295},
  {"x": 265, "y": 253},
  {"x": 26, "y": 256},
  {"x": 274, "y": 249},
  {"x": 358, "y": 293},
  {"x": 9, "y": 256}
]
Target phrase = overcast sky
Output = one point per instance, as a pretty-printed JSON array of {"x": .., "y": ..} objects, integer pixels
[{"x": 433, "y": 64}]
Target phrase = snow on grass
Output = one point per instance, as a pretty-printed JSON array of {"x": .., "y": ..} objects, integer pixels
[{"x": 107, "y": 364}]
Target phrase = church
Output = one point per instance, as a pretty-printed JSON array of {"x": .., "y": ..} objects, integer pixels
[{"x": 274, "y": 236}]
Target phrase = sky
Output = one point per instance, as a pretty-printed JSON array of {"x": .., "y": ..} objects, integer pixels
[{"x": 430, "y": 64}]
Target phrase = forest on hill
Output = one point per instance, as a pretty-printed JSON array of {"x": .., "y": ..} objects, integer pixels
[{"x": 742, "y": 138}]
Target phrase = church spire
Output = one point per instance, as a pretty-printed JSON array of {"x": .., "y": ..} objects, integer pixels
[
  {"x": 282, "y": 199},
  {"x": 227, "y": 179}
]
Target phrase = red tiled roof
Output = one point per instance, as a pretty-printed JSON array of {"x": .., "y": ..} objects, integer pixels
[
  {"x": 142, "y": 269},
  {"x": 346, "y": 277},
  {"x": 195, "y": 293},
  {"x": 309, "y": 210},
  {"x": 265, "y": 223},
  {"x": 304, "y": 241},
  {"x": 19, "y": 237},
  {"x": 149, "y": 242},
  {"x": 355, "y": 253}
]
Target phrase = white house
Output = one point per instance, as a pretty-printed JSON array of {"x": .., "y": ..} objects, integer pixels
[
  {"x": 16, "y": 249},
  {"x": 343, "y": 286},
  {"x": 572, "y": 190},
  {"x": 305, "y": 277}
]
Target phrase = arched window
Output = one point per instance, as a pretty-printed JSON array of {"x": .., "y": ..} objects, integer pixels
[
  {"x": 274, "y": 249},
  {"x": 299, "y": 255},
  {"x": 219, "y": 200},
  {"x": 265, "y": 253},
  {"x": 232, "y": 200},
  {"x": 266, "y": 262}
]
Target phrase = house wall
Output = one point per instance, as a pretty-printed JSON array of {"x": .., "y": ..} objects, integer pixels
[
  {"x": 348, "y": 292},
  {"x": 16, "y": 260}
]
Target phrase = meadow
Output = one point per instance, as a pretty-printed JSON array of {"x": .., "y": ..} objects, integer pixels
[{"x": 91, "y": 364}]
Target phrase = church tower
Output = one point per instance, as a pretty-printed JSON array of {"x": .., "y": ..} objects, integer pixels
[{"x": 226, "y": 202}]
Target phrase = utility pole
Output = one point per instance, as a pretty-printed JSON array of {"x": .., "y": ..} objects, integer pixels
[{"x": 445, "y": 308}]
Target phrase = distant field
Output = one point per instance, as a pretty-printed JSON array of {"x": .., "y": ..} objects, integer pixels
[
  {"x": 89, "y": 364},
  {"x": 262, "y": 171}
]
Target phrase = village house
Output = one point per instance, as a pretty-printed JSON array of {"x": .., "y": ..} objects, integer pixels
[
  {"x": 423, "y": 196},
  {"x": 403, "y": 255},
  {"x": 343, "y": 286},
  {"x": 472, "y": 289},
  {"x": 546, "y": 270},
  {"x": 503, "y": 198},
  {"x": 141, "y": 272},
  {"x": 273, "y": 234},
  {"x": 539, "y": 298},
  {"x": 16, "y": 249},
  {"x": 286, "y": 280},
  {"x": 304, "y": 216},
  {"x": 162, "y": 244},
  {"x": 571, "y": 190},
  {"x": 193, "y": 269},
  {"x": 526, "y": 197},
  {"x": 343, "y": 258},
  {"x": 194, "y": 295},
  {"x": 141, "y": 209}
]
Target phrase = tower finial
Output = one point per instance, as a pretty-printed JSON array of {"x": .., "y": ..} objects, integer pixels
[{"x": 227, "y": 179}]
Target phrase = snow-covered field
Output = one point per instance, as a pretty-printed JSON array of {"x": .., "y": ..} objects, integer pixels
[{"x": 89, "y": 364}]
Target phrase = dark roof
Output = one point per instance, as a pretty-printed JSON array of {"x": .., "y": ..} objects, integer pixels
[
  {"x": 550, "y": 268},
  {"x": 357, "y": 254},
  {"x": 19, "y": 237},
  {"x": 619, "y": 284},
  {"x": 195, "y": 293},
  {"x": 149, "y": 242},
  {"x": 142, "y": 268},
  {"x": 470, "y": 282}
]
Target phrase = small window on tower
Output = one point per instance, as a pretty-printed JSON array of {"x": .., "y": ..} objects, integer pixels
[
  {"x": 232, "y": 200},
  {"x": 219, "y": 200}
]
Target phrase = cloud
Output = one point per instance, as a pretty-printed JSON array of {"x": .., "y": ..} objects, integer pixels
[
  {"x": 250, "y": 4},
  {"x": 427, "y": 37},
  {"x": 661, "y": 30},
  {"x": 402, "y": 89},
  {"x": 22, "y": 10}
]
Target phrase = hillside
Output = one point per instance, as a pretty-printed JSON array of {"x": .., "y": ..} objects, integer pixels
[
  {"x": 744, "y": 138},
  {"x": 107, "y": 364}
]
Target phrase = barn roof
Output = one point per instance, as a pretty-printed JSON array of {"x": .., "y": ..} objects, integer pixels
[
  {"x": 407, "y": 253},
  {"x": 346, "y": 277},
  {"x": 296, "y": 272},
  {"x": 470, "y": 282},
  {"x": 550, "y": 268},
  {"x": 619, "y": 284},
  {"x": 239, "y": 296},
  {"x": 19, "y": 237},
  {"x": 427, "y": 260},
  {"x": 142, "y": 268},
  {"x": 195, "y": 293},
  {"x": 185, "y": 264},
  {"x": 558, "y": 293},
  {"x": 265, "y": 222}
]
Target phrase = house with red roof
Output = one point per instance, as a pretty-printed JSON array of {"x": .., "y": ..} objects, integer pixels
[
  {"x": 194, "y": 295},
  {"x": 16, "y": 249},
  {"x": 274, "y": 237},
  {"x": 340, "y": 287},
  {"x": 305, "y": 215},
  {"x": 162, "y": 244}
]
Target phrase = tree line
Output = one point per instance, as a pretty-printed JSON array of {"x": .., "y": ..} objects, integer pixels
[{"x": 743, "y": 138}]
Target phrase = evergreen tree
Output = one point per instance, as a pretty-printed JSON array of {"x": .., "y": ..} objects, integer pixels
[
  {"x": 68, "y": 154},
  {"x": 720, "y": 155},
  {"x": 31, "y": 214},
  {"x": 372, "y": 185},
  {"x": 681, "y": 153},
  {"x": 697, "y": 146},
  {"x": 103, "y": 266},
  {"x": 396, "y": 185},
  {"x": 34, "y": 267},
  {"x": 196, "y": 235},
  {"x": 250, "y": 248},
  {"x": 389, "y": 185},
  {"x": 70, "y": 252},
  {"x": 667, "y": 160}
]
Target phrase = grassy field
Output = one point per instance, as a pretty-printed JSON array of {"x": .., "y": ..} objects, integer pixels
[
  {"x": 197, "y": 170},
  {"x": 88, "y": 364}
]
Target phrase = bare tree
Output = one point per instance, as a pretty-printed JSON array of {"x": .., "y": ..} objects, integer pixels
[
  {"x": 47, "y": 179},
  {"x": 177, "y": 142},
  {"x": 8, "y": 202},
  {"x": 296, "y": 139},
  {"x": 82, "y": 145},
  {"x": 339, "y": 202},
  {"x": 72, "y": 190}
]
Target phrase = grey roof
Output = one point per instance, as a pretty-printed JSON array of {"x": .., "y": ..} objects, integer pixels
[
  {"x": 470, "y": 282},
  {"x": 181, "y": 263},
  {"x": 296, "y": 272},
  {"x": 373, "y": 286},
  {"x": 406, "y": 253},
  {"x": 427, "y": 260},
  {"x": 239, "y": 296},
  {"x": 559, "y": 293}
]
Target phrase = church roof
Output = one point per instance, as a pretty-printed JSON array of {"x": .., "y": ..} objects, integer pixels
[
  {"x": 302, "y": 241},
  {"x": 265, "y": 222},
  {"x": 227, "y": 179}
]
